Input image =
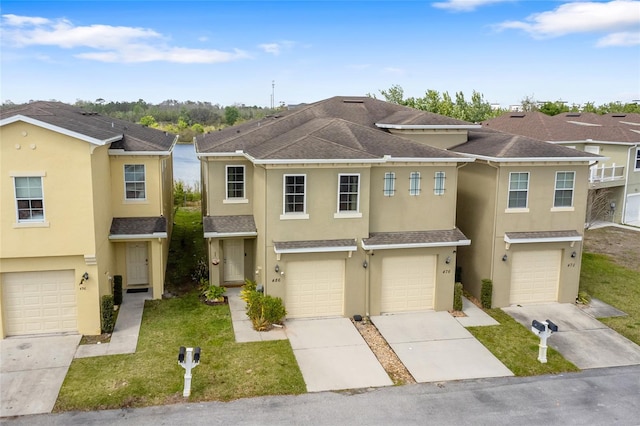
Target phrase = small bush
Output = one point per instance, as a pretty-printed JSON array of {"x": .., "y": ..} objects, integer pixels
[
  {"x": 583, "y": 298},
  {"x": 457, "y": 297},
  {"x": 117, "y": 290},
  {"x": 214, "y": 293},
  {"x": 107, "y": 314},
  {"x": 263, "y": 311},
  {"x": 486, "y": 293},
  {"x": 201, "y": 271},
  {"x": 247, "y": 288},
  {"x": 273, "y": 309}
]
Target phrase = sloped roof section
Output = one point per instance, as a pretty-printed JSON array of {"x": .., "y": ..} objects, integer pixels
[
  {"x": 336, "y": 128},
  {"x": 228, "y": 226},
  {"x": 490, "y": 143},
  {"x": 417, "y": 239},
  {"x": 138, "y": 227},
  {"x": 90, "y": 126},
  {"x": 570, "y": 126}
]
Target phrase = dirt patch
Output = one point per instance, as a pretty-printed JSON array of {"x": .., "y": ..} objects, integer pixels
[
  {"x": 621, "y": 245},
  {"x": 386, "y": 356}
]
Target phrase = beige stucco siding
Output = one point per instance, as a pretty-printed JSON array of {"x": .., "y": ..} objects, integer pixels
[
  {"x": 152, "y": 205},
  {"x": 65, "y": 166},
  {"x": 217, "y": 203},
  {"x": 405, "y": 212}
]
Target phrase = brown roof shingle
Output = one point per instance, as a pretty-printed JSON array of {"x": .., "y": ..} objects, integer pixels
[
  {"x": 416, "y": 238},
  {"x": 242, "y": 224},
  {"x": 138, "y": 225}
]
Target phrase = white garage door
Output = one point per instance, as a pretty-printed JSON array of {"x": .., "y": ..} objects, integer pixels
[
  {"x": 39, "y": 302},
  {"x": 632, "y": 210},
  {"x": 408, "y": 283},
  {"x": 314, "y": 288},
  {"x": 535, "y": 276}
]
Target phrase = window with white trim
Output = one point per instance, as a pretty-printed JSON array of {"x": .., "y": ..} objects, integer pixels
[
  {"x": 294, "y": 194},
  {"x": 29, "y": 199},
  {"x": 348, "y": 193},
  {"x": 438, "y": 183},
  {"x": 637, "y": 159},
  {"x": 518, "y": 190},
  {"x": 563, "y": 196},
  {"x": 235, "y": 182},
  {"x": 414, "y": 183},
  {"x": 389, "y": 184},
  {"x": 134, "y": 182}
]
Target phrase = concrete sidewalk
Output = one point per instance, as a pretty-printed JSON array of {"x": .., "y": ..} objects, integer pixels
[{"x": 124, "y": 338}]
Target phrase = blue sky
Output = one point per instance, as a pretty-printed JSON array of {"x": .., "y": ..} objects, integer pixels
[{"x": 231, "y": 52}]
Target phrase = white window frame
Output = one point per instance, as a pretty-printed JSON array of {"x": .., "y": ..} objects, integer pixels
[
  {"x": 637, "y": 161},
  {"x": 229, "y": 199},
  {"x": 414, "y": 184},
  {"x": 348, "y": 213},
  {"x": 29, "y": 221},
  {"x": 293, "y": 214},
  {"x": 517, "y": 190},
  {"x": 556, "y": 189},
  {"x": 389, "y": 186},
  {"x": 439, "y": 180},
  {"x": 144, "y": 182}
]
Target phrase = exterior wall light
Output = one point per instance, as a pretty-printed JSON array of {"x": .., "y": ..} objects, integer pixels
[
  {"x": 574, "y": 254},
  {"x": 365, "y": 264},
  {"x": 448, "y": 260},
  {"x": 504, "y": 258},
  {"x": 277, "y": 268},
  {"x": 85, "y": 276}
]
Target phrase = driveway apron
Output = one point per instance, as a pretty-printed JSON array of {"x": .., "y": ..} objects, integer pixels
[
  {"x": 332, "y": 355},
  {"x": 32, "y": 371},
  {"x": 581, "y": 338},
  {"x": 434, "y": 346}
]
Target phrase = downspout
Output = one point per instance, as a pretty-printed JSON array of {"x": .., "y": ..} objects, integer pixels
[
  {"x": 495, "y": 216},
  {"x": 623, "y": 217},
  {"x": 367, "y": 291}
]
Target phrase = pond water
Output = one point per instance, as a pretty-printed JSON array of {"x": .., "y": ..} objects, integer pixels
[{"x": 186, "y": 166}]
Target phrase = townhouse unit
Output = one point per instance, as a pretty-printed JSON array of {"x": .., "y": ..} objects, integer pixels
[
  {"x": 522, "y": 203},
  {"x": 330, "y": 211},
  {"x": 349, "y": 205},
  {"x": 615, "y": 181},
  {"x": 83, "y": 198}
]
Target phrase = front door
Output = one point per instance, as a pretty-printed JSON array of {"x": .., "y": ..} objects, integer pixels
[
  {"x": 137, "y": 264},
  {"x": 233, "y": 260}
]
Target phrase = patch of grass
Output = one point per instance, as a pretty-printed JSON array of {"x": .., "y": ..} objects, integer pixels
[
  {"x": 187, "y": 248},
  {"x": 517, "y": 347},
  {"x": 615, "y": 285},
  {"x": 152, "y": 376}
]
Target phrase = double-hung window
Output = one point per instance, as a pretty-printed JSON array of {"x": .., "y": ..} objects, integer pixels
[
  {"x": 295, "y": 194},
  {"x": 389, "y": 184},
  {"x": 235, "y": 182},
  {"x": 134, "y": 182},
  {"x": 438, "y": 184},
  {"x": 563, "y": 196},
  {"x": 518, "y": 190},
  {"x": 414, "y": 183},
  {"x": 29, "y": 199},
  {"x": 348, "y": 193}
]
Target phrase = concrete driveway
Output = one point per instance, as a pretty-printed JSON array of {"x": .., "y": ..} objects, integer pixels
[
  {"x": 581, "y": 338},
  {"x": 332, "y": 355},
  {"x": 434, "y": 346},
  {"x": 32, "y": 371}
]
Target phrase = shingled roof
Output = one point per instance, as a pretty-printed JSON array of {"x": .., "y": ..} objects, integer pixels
[
  {"x": 335, "y": 128},
  {"x": 570, "y": 126},
  {"x": 90, "y": 126},
  {"x": 504, "y": 146},
  {"x": 138, "y": 227}
]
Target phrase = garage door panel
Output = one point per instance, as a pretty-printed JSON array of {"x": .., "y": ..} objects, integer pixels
[
  {"x": 39, "y": 302},
  {"x": 535, "y": 277},
  {"x": 315, "y": 288},
  {"x": 408, "y": 283}
]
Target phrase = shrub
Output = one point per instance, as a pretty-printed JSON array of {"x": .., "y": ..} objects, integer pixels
[
  {"x": 583, "y": 298},
  {"x": 107, "y": 314},
  {"x": 457, "y": 297},
  {"x": 486, "y": 293},
  {"x": 263, "y": 311},
  {"x": 247, "y": 288},
  {"x": 117, "y": 290},
  {"x": 214, "y": 293}
]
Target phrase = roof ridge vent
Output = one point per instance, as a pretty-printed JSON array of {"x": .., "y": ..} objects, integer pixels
[
  {"x": 618, "y": 115},
  {"x": 517, "y": 115},
  {"x": 573, "y": 114},
  {"x": 353, "y": 101}
]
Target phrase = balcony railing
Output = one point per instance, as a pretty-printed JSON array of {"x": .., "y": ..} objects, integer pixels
[{"x": 606, "y": 173}]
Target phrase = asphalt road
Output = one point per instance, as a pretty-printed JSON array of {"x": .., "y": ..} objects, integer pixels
[{"x": 609, "y": 396}]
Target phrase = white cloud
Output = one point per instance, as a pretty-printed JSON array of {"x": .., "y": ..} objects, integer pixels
[
  {"x": 278, "y": 47},
  {"x": 109, "y": 43},
  {"x": 465, "y": 5},
  {"x": 620, "y": 39},
  {"x": 579, "y": 17},
  {"x": 393, "y": 71}
]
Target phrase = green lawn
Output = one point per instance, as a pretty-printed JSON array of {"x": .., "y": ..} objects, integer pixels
[
  {"x": 152, "y": 376},
  {"x": 517, "y": 347},
  {"x": 617, "y": 286}
]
